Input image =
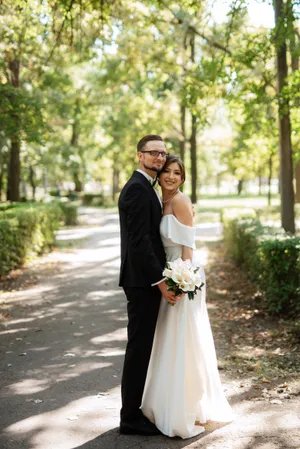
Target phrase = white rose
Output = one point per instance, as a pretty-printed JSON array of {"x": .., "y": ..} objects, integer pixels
[
  {"x": 198, "y": 279},
  {"x": 167, "y": 272},
  {"x": 176, "y": 276}
]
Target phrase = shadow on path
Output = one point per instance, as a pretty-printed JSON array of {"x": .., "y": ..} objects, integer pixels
[{"x": 61, "y": 355}]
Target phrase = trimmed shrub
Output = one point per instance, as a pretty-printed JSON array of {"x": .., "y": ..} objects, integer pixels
[
  {"x": 236, "y": 223},
  {"x": 70, "y": 213},
  {"x": 271, "y": 258},
  {"x": 91, "y": 199},
  {"x": 279, "y": 278},
  {"x": 26, "y": 230},
  {"x": 10, "y": 257}
]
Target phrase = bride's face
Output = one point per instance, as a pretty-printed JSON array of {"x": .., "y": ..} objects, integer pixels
[{"x": 171, "y": 177}]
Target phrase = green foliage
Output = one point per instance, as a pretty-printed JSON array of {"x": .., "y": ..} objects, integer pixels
[
  {"x": 25, "y": 231},
  {"x": 129, "y": 70},
  {"x": 280, "y": 274},
  {"x": 70, "y": 213},
  {"x": 92, "y": 199},
  {"x": 270, "y": 256}
]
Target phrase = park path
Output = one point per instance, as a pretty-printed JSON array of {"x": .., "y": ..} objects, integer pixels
[{"x": 63, "y": 337}]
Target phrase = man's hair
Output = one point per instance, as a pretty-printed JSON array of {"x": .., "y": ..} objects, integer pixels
[{"x": 145, "y": 139}]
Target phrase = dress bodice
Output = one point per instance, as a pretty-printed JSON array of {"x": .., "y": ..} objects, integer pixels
[{"x": 174, "y": 235}]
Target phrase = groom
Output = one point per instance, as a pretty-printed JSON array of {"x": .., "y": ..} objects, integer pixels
[{"x": 142, "y": 263}]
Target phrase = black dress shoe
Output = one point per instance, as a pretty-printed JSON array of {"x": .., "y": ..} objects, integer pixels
[{"x": 141, "y": 426}]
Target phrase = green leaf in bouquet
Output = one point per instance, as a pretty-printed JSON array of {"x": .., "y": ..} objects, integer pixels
[{"x": 170, "y": 282}]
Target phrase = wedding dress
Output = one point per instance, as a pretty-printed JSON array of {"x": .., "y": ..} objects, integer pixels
[{"x": 183, "y": 384}]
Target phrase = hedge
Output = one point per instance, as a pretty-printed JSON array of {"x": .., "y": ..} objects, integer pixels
[
  {"x": 95, "y": 199},
  {"x": 270, "y": 256},
  {"x": 26, "y": 230},
  {"x": 70, "y": 213}
]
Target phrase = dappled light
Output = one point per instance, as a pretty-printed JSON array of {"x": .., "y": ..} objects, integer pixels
[
  {"x": 118, "y": 335},
  {"x": 62, "y": 371},
  {"x": 28, "y": 386},
  {"x": 91, "y": 91}
]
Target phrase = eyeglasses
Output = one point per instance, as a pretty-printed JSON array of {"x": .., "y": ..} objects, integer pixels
[{"x": 156, "y": 153}]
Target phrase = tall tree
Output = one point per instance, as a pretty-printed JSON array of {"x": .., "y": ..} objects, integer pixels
[{"x": 285, "y": 146}]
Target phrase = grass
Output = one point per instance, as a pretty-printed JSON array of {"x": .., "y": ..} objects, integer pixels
[
  {"x": 214, "y": 203},
  {"x": 208, "y": 207}
]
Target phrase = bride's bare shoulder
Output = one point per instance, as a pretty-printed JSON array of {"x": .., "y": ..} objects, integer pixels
[
  {"x": 181, "y": 200},
  {"x": 183, "y": 209}
]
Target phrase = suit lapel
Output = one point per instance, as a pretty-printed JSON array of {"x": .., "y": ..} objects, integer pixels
[{"x": 145, "y": 181}]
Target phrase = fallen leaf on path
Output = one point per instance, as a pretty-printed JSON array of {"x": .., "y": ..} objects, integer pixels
[
  {"x": 265, "y": 380},
  {"x": 276, "y": 401},
  {"x": 36, "y": 401}
]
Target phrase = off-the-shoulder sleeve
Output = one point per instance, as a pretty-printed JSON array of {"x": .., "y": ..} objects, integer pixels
[{"x": 180, "y": 233}]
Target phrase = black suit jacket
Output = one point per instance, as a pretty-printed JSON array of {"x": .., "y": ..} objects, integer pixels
[{"x": 142, "y": 252}]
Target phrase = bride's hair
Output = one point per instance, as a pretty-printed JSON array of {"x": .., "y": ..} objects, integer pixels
[{"x": 171, "y": 158}]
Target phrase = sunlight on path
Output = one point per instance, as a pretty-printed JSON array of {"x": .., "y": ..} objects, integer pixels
[
  {"x": 64, "y": 392},
  {"x": 69, "y": 426}
]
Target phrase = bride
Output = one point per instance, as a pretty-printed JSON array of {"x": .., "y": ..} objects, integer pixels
[{"x": 183, "y": 388}]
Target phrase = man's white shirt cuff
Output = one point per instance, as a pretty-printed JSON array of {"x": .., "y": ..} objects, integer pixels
[{"x": 159, "y": 282}]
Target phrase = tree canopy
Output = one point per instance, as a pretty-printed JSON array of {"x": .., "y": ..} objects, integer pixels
[{"x": 82, "y": 81}]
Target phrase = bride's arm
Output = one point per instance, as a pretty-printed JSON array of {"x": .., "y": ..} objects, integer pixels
[{"x": 183, "y": 211}]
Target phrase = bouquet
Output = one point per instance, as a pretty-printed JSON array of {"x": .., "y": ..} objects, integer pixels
[{"x": 183, "y": 277}]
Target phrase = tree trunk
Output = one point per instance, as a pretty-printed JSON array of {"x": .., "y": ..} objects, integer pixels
[
  {"x": 259, "y": 184},
  {"x": 193, "y": 151},
  {"x": 285, "y": 148},
  {"x": 74, "y": 143},
  {"x": 270, "y": 178},
  {"x": 193, "y": 140},
  {"x": 3, "y": 169},
  {"x": 77, "y": 182},
  {"x": 297, "y": 174},
  {"x": 1, "y": 182},
  {"x": 116, "y": 187},
  {"x": 293, "y": 40},
  {"x": 32, "y": 181},
  {"x": 240, "y": 186},
  {"x": 14, "y": 168},
  {"x": 182, "y": 137}
]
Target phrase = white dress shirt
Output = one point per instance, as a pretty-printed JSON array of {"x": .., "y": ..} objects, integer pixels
[{"x": 151, "y": 180}]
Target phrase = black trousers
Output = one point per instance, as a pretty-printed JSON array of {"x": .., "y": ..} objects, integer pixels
[{"x": 142, "y": 308}]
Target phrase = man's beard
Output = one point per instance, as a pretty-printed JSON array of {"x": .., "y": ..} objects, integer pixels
[{"x": 156, "y": 169}]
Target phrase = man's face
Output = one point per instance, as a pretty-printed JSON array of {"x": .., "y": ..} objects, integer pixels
[{"x": 153, "y": 162}]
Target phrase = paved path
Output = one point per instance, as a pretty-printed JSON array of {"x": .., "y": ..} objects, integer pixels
[{"x": 62, "y": 351}]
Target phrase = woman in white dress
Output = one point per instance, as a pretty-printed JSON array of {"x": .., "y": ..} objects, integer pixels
[{"x": 183, "y": 388}]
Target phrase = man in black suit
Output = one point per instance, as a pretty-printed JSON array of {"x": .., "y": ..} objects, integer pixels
[{"x": 142, "y": 264}]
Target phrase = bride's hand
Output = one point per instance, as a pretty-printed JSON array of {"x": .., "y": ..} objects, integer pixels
[{"x": 168, "y": 294}]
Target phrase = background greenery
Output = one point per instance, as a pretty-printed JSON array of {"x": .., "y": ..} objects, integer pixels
[{"x": 82, "y": 81}]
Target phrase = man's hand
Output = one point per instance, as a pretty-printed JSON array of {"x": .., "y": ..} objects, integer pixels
[{"x": 169, "y": 295}]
